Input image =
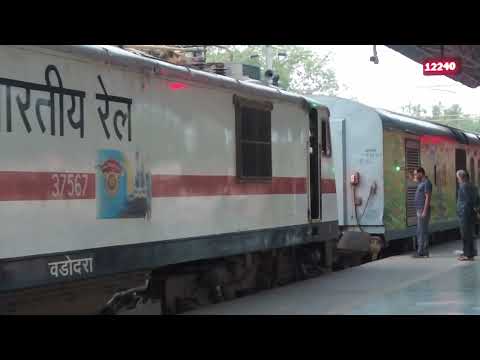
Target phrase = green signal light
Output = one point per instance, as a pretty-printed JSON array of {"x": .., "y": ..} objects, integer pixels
[{"x": 397, "y": 168}]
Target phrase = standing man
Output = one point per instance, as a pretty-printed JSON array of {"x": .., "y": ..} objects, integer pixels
[
  {"x": 476, "y": 210},
  {"x": 467, "y": 201},
  {"x": 423, "y": 197}
]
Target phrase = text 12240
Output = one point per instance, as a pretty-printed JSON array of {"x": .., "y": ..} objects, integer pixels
[{"x": 443, "y": 66}]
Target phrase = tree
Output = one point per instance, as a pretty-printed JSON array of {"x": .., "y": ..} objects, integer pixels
[
  {"x": 454, "y": 116},
  {"x": 302, "y": 70},
  {"x": 451, "y": 116},
  {"x": 414, "y": 110},
  {"x": 454, "y": 111},
  {"x": 437, "y": 110}
]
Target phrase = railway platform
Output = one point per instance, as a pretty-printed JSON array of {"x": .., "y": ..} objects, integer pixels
[{"x": 398, "y": 285}]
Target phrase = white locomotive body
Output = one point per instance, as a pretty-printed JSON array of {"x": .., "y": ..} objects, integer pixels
[{"x": 114, "y": 162}]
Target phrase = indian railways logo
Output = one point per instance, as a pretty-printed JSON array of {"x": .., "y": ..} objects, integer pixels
[
  {"x": 112, "y": 170},
  {"x": 123, "y": 186}
]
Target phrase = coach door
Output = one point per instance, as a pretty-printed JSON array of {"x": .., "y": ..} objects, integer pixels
[
  {"x": 412, "y": 161},
  {"x": 460, "y": 163},
  {"x": 314, "y": 169}
]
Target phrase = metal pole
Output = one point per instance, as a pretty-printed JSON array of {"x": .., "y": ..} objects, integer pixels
[{"x": 268, "y": 56}]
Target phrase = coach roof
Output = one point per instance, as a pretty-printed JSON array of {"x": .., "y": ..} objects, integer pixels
[{"x": 422, "y": 127}]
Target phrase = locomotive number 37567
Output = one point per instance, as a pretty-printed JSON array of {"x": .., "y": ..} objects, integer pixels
[{"x": 69, "y": 185}]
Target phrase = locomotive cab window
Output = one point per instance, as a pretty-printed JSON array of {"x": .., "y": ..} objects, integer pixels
[
  {"x": 326, "y": 141},
  {"x": 253, "y": 139}
]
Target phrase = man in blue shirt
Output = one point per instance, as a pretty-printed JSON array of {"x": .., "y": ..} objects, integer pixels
[{"x": 423, "y": 197}]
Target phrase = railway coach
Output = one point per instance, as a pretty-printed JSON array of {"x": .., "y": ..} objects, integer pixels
[{"x": 375, "y": 153}]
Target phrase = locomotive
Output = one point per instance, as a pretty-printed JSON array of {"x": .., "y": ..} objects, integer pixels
[{"x": 121, "y": 172}]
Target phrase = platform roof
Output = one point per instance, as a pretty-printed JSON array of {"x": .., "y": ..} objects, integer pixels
[{"x": 469, "y": 55}]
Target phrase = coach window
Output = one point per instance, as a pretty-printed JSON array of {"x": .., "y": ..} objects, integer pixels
[
  {"x": 326, "y": 142},
  {"x": 253, "y": 138}
]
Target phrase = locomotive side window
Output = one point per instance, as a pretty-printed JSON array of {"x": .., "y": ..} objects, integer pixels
[{"x": 253, "y": 138}]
